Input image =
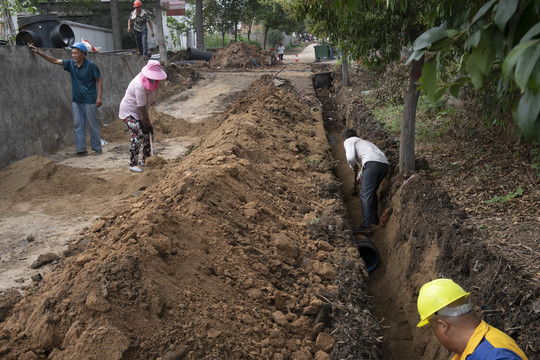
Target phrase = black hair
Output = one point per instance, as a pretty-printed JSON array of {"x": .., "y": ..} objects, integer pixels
[{"x": 349, "y": 133}]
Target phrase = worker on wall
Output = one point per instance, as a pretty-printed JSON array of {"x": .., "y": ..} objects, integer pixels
[
  {"x": 138, "y": 19},
  {"x": 444, "y": 305}
]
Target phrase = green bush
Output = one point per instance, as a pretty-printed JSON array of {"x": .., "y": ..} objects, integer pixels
[
  {"x": 214, "y": 41},
  {"x": 274, "y": 37},
  {"x": 244, "y": 40}
]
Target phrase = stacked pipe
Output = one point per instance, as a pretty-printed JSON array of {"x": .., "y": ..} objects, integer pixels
[{"x": 44, "y": 31}]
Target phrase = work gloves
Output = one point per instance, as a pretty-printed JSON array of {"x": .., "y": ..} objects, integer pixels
[{"x": 148, "y": 130}]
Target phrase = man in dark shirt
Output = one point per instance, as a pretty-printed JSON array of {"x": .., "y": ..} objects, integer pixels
[{"x": 87, "y": 90}]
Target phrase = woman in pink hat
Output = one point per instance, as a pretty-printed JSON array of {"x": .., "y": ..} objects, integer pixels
[{"x": 134, "y": 110}]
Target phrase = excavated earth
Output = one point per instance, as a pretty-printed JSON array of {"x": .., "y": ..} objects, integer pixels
[{"x": 241, "y": 247}]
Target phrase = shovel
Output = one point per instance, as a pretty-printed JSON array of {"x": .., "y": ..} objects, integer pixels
[{"x": 151, "y": 146}]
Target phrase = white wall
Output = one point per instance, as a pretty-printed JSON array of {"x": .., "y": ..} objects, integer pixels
[{"x": 185, "y": 41}]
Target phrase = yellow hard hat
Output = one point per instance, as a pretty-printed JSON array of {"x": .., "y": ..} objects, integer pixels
[{"x": 435, "y": 295}]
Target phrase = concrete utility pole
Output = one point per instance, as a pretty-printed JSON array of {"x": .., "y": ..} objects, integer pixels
[
  {"x": 199, "y": 24},
  {"x": 160, "y": 35},
  {"x": 115, "y": 20}
]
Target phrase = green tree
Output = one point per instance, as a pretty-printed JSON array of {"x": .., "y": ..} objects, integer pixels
[
  {"x": 499, "y": 42},
  {"x": 250, "y": 15},
  {"x": 216, "y": 16},
  {"x": 272, "y": 15},
  {"x": 7, "y": 9},
  {"x": 181, "y": 27},
  {"x": 362, "y": 28}
]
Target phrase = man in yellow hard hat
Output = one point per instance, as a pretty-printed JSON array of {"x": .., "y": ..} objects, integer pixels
[{"x": 444, "y": 305}]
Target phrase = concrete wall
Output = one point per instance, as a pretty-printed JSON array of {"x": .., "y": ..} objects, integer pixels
[{"x": 35, "y": 99}]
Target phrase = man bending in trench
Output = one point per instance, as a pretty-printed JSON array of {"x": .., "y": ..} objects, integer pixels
[{"x": 370, "y": 166}]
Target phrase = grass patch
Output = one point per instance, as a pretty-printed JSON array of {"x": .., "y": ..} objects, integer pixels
[{"x": 432, "y": 121}]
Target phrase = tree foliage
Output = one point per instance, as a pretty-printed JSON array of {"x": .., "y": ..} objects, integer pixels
[{"x": 499, "y": 41}]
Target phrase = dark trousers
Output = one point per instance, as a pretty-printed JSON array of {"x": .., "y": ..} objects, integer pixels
[
  {"x": 373, "y": 174},
  {"x": 142, "y": 43}
]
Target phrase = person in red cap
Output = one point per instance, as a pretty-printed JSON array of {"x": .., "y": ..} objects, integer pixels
[
  {"x": 138, "y": 19},
  {"x": 87, "y": 90},
  {"x": 134, "y": 110}
]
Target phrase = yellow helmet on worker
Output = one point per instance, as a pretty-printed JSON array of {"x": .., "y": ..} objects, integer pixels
[{"x": 437, "y": 295}]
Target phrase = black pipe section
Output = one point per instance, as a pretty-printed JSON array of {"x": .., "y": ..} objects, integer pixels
[
  {"x": 369, "y": 253},
  {"x": 196, "y": 54},
  {"x": 45, "y": 31},
  {"x": 322, "y": 79}
]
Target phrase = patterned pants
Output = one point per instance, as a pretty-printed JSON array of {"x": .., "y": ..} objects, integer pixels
[{"x": 136, "y": 135}]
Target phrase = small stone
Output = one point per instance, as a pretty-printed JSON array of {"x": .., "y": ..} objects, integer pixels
[
  {"x": 324, "y": 342},
  {"x": 324, "y": 246},
  {"x": 97, "y": 303},
  {"x": 325, "y": 270},
  {"x": 44, "y": 259},
  {"x": 254, "y": 293},
  {"x": 37, "y": 277},
  {"x": 280, "y": 319},
  {"x": 30, "y": 238},
  {"x": 321, "y": 355},
  {"x": 213, "y": 333}
]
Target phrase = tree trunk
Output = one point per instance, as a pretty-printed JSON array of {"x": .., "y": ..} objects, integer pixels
[
  {"x": 223, "y": 39},
  {"x": 345, "y": 72},
  {"x": 115, "y": 22},
  {"x": 266, "y": 28},
  {"x": 406, "y": 146},
  {"x": 235, "y": 32},
  {"x": 161, "y": 37},
  {"x": 249, "y": 30},
  {"x": 199, "y": 24}
]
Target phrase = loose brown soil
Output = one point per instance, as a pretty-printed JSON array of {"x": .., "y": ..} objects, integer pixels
[
  {"x": 242, "y": 56},
  {"x": 242, "y": 248}
]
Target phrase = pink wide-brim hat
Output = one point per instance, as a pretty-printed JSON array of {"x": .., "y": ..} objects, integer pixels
[{"x": 152, "y": 70}]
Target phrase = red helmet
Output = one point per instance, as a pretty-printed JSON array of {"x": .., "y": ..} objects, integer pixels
[{"x": 137, "y": 3}]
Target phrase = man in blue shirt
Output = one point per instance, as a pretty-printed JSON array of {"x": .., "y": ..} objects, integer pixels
[{"x": 87, "y": 90}]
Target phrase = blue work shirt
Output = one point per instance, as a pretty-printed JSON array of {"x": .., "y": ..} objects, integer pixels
[
  {"x": 489, "y": 343},
  {"x": 83, "y": 80}
]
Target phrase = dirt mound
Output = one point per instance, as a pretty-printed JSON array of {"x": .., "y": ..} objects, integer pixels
[
  {"x": 241, "y": 56},
  {"x": 241, "y": 251}
]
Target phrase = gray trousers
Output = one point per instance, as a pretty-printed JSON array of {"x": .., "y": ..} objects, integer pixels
[{"x": 373, "y": 174}]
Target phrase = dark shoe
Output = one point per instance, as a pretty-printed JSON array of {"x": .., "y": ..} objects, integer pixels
[
  {"x": 96, "y": 153},
  {"x": 361, "y": 230},
  {"x": 81, "y": 153}
]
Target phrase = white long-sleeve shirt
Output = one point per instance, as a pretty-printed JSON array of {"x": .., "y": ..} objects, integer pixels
[{"x": 359, "y": 152}]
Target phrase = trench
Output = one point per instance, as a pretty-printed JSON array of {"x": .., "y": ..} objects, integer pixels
[{"x": 392, "y": 298}]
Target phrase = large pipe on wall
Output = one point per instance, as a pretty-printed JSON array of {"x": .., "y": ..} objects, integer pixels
[{"x": 45, "y": 31}]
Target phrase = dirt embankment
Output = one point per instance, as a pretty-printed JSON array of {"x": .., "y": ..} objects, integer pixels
[{"x": 239, "y": 251}]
